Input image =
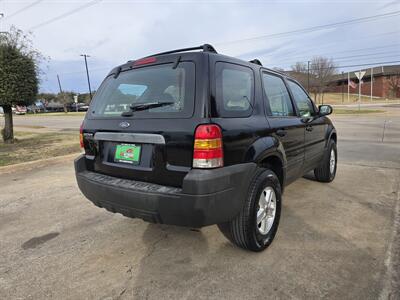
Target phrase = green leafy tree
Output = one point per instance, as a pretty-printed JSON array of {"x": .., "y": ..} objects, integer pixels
[
  {"x": 18, "y": 75},
  {"x": 85, "y": 98},
  {"x": 65, "y": 98},
  {"x": 46, "y": 96}
]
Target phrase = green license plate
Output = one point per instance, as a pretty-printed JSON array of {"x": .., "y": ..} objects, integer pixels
[{"x": 127, "y": 153}]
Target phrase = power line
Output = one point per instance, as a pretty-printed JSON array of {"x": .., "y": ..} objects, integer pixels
[
  {"x": 315, "y": 28},
  {"x": 303, "y": 59},
  {"x": 328, "y": 45},
  {"x": 370, "y": 64},
  {"x": 393, "y": 56},
  {"x": 66, "y": 14},
  {"x": 366, "y": 64},
  {"x": 23, "y": 9}
]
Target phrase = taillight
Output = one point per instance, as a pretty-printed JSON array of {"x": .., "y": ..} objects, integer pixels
[
  {"x": 144, "y": 61},
  {"x": 208, "y": 151},
  {"x": 81, "y": 136}
]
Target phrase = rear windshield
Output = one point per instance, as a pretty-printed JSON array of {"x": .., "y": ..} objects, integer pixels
[{"x": 161, "y": 83}]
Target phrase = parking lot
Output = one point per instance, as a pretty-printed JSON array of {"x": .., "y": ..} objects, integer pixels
[{"x": 338, "y": 240}]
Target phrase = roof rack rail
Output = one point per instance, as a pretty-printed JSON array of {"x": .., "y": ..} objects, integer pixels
[
  {"x": 205, "y": 48},
  {"x": 256, "y": 61}
]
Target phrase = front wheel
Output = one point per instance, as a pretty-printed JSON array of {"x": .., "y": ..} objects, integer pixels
[
  {"x": 256, "y": 225},
  {"x": 326, "y": 171}
]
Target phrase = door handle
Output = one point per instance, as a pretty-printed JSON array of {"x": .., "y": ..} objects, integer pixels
[
  {"x": 281, "y": 132},
  {"x": 309, "y": 128}
]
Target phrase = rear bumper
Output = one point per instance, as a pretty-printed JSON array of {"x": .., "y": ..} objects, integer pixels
[{"x": 206, "y": 197}]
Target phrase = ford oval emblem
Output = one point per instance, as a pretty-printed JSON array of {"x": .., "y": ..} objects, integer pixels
[{"x": 124, "y": 124}]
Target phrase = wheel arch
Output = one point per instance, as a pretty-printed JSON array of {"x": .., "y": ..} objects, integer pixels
[
  {"x": 268, "y": 152},
  {"x": 332, "y": 134}
]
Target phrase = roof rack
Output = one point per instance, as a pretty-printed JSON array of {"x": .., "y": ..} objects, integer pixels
[
  {"x": 256, "y": 61},
  {"x": 205, "y": 48}
]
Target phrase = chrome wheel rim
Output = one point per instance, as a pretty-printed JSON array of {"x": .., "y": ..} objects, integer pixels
[
  {"x": 266, "y": 210},
  {"x": 332, "y": 161}
]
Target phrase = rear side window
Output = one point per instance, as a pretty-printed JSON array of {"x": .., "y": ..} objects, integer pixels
[
  {"x": 278, "y": 98},
  {"x": 160, "y": 83},
  {"x": 234, "y": 90},
  {"x": 303, "y": 102}
]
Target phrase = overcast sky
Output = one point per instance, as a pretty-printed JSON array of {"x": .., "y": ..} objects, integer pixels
[{"x": 112, "y": 32}]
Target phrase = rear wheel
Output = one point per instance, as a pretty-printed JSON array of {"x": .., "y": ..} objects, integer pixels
[
  {"x": 326, "y": 171},
  {"x": 256, "y": 225}
]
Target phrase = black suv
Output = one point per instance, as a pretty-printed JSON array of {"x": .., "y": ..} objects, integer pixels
[{"x": 195, "y": 138}]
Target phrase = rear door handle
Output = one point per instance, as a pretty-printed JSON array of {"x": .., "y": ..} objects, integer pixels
[
  {"x": 281, "y": 132},
  {"x": 309, "y": 128}
]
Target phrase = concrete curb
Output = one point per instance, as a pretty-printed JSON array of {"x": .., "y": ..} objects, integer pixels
[{"x": 36, "y": 163}]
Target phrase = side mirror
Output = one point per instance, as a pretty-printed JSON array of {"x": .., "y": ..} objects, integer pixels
[{"x": 325, "y": 110}]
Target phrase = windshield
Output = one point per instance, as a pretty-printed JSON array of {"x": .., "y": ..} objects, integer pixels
[{"x": 148, "y": 85}]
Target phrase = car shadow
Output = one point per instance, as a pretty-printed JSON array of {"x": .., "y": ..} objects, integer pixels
[{"x": 310, "y": 176}]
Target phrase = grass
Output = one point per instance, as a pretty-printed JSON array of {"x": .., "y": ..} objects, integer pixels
[
  {"x": 30, "y": 146},
  {"x": 336, "y": 98},
  {"x": 339, "y": 111},
  {"x": 57, "y": 114}
]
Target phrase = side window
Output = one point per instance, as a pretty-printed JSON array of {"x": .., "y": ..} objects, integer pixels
[
  {"x": 277, "y": 96},
  {"x": 234, "y": 90},
  {"x": 303, "y": 103}
]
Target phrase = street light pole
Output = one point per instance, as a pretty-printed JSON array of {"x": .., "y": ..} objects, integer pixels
[
  {"x": 2, "y": 16},
  {"x": 308, "y": 76},
  {"x": 87, "y": 74}
]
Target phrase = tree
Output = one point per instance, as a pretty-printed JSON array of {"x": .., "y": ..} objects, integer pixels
[
  {"x": 46, "y": 96},
  {"x": 394, "y": 85},
  {"x": 300, "y": 73},
  {"x": 85, "y": 97},
  {"x": 18, "y": 75},
  {"x": 321, "y": 71},
  {"x": 299, "y": 67},
  {"x": 65, "y": 98},
  {"x": 320, "y": 74}
]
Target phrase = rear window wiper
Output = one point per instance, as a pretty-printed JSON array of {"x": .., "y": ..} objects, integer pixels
[{"x": 144, "y": 106}]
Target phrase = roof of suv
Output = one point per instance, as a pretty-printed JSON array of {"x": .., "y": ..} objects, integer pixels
[{"x": 206, "y": 49}]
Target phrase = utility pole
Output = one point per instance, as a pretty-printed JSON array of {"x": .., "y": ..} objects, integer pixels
[
  {"x": 87, "y": 74},
  {"x": 372, "y": 80},
  {"x": 342, "y": 87},
  {"x": 2, "y": 16},
  {"x": 359, "y": 92},
  {"x": 308, "y": 76},
  {"x": 61, "y": 92},
  {"x": 348, "y": 87},
  {"x": 59, "y": 83}
]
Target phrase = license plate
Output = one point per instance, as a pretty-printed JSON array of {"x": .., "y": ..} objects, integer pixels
[{"x": 127, "y": 153}]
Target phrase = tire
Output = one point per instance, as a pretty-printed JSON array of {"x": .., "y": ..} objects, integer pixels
[
  {"x": 324, "y": 173},
  {"x": 243, "y": 230}
]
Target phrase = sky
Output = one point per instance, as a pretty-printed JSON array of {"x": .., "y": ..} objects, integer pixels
[{"x": 113, "y": 32}]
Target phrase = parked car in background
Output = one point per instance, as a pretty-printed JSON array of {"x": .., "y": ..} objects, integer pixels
[
  {"x": 19, "y": 110},
  {"x": 81, "y": 107},
  {"x": 54, "y": 107},
  {"x": 37, "y": 107}
]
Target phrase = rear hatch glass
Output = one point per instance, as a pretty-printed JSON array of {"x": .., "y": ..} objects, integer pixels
[
  {"x": 150, "y": 144},
  {"x": 172, "y": 88}
]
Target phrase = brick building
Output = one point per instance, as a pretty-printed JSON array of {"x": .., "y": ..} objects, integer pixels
[{"x": 384, "y": 80}]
